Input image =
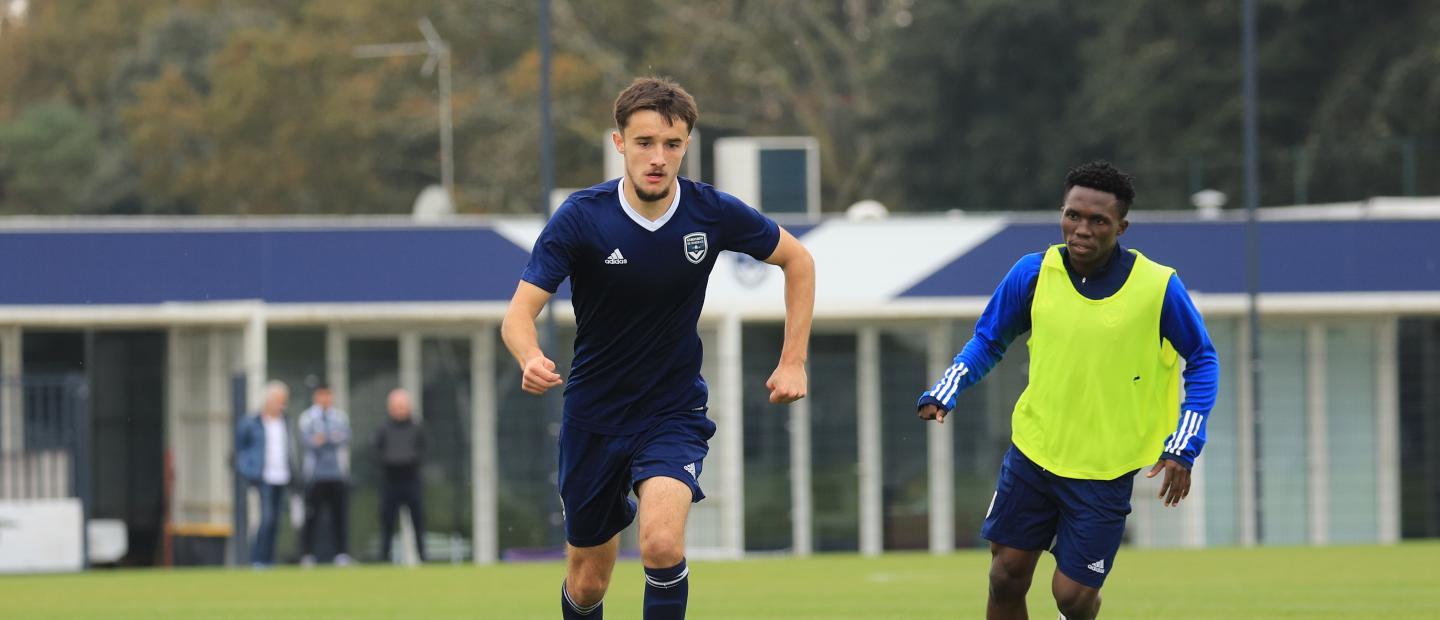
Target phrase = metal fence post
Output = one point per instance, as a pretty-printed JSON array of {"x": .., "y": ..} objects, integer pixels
[
  {"x": 78, "y": 389},
  {"x": 242, "y": 527}
]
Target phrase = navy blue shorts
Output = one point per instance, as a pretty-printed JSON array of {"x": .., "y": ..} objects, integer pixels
[
  {"x": 597, "y": 472},
  {"x": 1081, "y": 522}
]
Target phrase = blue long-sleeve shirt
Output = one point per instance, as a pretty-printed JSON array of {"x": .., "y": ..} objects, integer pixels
[{"x": 1007, "y": 316}]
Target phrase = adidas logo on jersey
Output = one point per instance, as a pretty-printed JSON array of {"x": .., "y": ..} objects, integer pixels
[
  {"x": 1097, "y": 566},
  {"x": 615, "y": 258}
]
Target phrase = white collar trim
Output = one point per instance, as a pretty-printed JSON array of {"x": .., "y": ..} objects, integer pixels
[{"x": 644, "y": 222}]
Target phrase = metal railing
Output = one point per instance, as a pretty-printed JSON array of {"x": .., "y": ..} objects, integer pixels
[{"x": 45, "y": 440}]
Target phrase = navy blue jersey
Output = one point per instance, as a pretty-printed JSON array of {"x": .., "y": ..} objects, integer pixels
[{"x": 638, "y": 287}]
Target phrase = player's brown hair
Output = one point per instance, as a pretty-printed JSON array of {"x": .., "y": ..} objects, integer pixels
[{"x": 662, "y": 95}]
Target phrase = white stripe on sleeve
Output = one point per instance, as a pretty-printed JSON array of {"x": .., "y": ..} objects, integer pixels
[
  {"x": 943, "y": 382},
  {"x": 955, "y": 383},
  {"x": 1191, "y": 427}
]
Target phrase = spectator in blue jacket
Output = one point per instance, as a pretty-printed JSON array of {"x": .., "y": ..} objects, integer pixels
[{"x": 263, "y": 452}]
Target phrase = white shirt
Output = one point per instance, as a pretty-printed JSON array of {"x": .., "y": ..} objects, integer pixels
[{"x": 277, "y": 467}]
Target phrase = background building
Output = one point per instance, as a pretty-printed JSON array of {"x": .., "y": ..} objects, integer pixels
[{"x": 145, "y": 325}]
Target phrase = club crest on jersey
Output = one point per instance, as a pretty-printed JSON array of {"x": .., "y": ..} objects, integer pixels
[{"x": 696, "y": 245}]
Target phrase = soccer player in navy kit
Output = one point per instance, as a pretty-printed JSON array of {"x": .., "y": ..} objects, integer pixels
[{"x": 638, "y": 251}]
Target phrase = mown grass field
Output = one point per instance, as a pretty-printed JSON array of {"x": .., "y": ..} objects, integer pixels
[{"x": 1388, "y": 583}]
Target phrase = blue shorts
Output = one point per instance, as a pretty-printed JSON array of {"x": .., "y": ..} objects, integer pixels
[
  {"x": 597, "y": 472},
  {"x": 1081, "y": 522}
]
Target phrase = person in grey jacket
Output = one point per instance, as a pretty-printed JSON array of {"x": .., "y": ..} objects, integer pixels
[
  {"x": 400, "y": 445},
  {"x": 325, "y": 433}
]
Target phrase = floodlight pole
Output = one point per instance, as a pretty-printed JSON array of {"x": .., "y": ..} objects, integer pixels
[
  {"x": 437, "y": 53},
  {"x": 547, "y": 137},
  {"x": 550, "y": 333},
  {"x": 1252, "y": 250}
]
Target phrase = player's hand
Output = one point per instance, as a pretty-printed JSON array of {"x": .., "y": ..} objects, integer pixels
[
  {"x": 539, "y": 375},
  {"x": 318, "y": 439},
  {"x": 931, "y": 411},
  {"x": 1176, "y": 485},
  {"x": 787, "y": 383}
]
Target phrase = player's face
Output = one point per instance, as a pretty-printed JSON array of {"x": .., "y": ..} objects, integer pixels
[
  {"x": 1091, "y": 222},
  {"x": 653, "y": 147}
]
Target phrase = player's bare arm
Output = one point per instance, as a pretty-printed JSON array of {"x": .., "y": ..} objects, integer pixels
[
  {"x": 788, "y": 383},
  {"x": 518, "y": 331},
  {"x": 1176, "y": 484}
]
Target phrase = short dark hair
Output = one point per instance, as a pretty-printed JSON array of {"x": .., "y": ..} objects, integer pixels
[
  {"x": 1101, "y": 176},
  {"x": 659, "y": 94}
]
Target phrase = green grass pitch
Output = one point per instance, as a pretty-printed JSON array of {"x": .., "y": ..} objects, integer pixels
[{"x": 1391, "y": 583}]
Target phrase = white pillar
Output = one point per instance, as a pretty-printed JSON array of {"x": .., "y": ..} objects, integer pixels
[
  {"x": 1141, "y": 525},
  {"x": 337, "y": 365},
  {"x": 484, "y": 463},
  {"x": 178, "y": 381},
  {"x": 1195, "y": 516},
  {"x": 1245, "y": 436},
  {"x": 802, "y": 490},
  {"x": 730, "y": 434},
  {"x": 940, "y": 438},
  {"x": 255, "y": 353},
  {"x": 224, "y": 356},
  {"x": 1192, "y": 510},
  {"x": 256, "y": 372},
  {"x": 410, "y": 376},
  {"x": 405, "y": 553},
  {"x": 11, "y": 359},
  {"x": 872, "y": 524},
  {"x": 1317, "y": 459},
  {"x": 1387, "y": 430}
]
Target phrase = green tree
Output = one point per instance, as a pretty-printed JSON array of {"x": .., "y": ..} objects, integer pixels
[
  {"x": 215, "y": 106},
  {"x": 977, "y": 111},
  {"x": 45, "y": 155},
  {"x": 275, "y": 132}
]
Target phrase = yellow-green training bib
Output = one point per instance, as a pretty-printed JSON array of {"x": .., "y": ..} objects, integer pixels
[{"x": 1104, "y": 392}]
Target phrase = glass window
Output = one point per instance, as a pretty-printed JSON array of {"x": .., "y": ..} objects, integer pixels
[
  {"x": 446, "y": 420},
  {"x": 1350, "y": 421},
  {"x": 374, "y": 370},
  {"x": 296, "y": 355},
  {"x": 904, "y": 449},
  {"x": 1282, "y": 465},
  {"x": 834, "y": 449},
  {"x": 1219, "y": 462},
  {"x": 1419, "y": 365},
  {"x": 982, "y": 432},
  {"x": 528, "y": 428},
  {"x": 767, "y": 443}
]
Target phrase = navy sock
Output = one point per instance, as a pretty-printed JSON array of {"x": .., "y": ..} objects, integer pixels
[
  {"x": 666, "y": 592},
  {"x": 570, "y": 611}
]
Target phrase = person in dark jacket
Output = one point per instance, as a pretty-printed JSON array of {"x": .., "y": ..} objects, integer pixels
[{"x": 400, "y": 444}]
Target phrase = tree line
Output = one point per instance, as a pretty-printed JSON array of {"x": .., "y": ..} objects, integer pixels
[{"x": 261, "y": 107}]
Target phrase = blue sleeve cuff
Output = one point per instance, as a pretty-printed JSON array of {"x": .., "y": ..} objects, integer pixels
[
  {"x": 926, "y": 399},
  {"x": 1187, "y": 463}
]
